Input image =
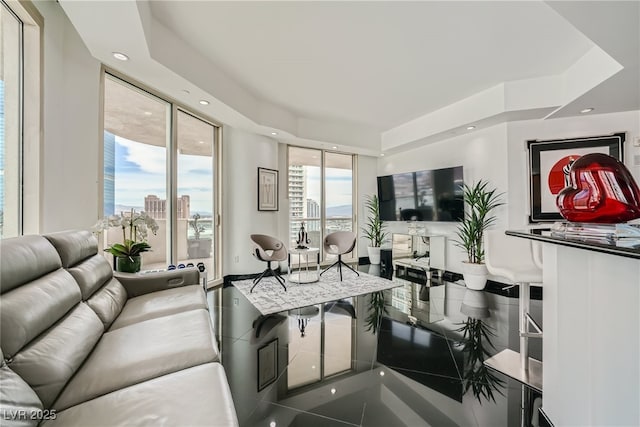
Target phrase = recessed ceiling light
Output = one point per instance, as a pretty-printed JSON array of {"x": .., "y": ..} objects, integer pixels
[
  {"x": 334, "y": 147},
  {"x": 313, "y": 367},
  {"x": 185, "y": 91},
  {"x": 274, "y": 133},
  {"x": 382, "y": 155},
  {"x": 204, "y": 102},
  {"x": 120, "y": 56},
  {"x": 148, "y": 113},
  {"x": 586, "y": 110},
  {"x": 471, "y": 127},
  {"x": 201, "y": 142}
]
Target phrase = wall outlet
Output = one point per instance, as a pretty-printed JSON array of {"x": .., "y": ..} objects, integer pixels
[
  {"x": 236, "y": 301},
  {"x": 636, "y": 142},
  {"x": 236, "y": 259}
]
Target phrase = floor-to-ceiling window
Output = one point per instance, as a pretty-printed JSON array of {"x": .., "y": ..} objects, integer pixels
[
  {"x": 160, "y": 159},
  {"x": 321, "y": 191},
  {"x": 19, "y": 105}
]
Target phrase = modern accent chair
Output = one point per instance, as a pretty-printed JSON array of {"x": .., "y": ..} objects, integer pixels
[
  {"x": 339, "y": 243},
  {"x": 268, "y": 249},
  {"x": 520, "y": 261}
]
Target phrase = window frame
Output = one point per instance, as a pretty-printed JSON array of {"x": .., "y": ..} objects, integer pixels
[
  {"x": 323, "y": 217},
  {"x": 30, "y": 117},
  {"x": 214, "y": 279}
]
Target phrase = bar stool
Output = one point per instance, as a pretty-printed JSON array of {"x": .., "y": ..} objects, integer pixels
[{"x": 519, "y": 261}]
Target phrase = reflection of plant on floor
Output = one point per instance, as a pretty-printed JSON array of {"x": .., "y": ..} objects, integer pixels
[
  {"x": 376, "y": 311},
  {"x": 475, "y": 344}
]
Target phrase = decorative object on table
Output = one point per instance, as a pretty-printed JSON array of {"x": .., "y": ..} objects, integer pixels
[
  {"x": 549, "y": 159},
  {"x": 480, "y": 200},
  {"x": 267, "y": 189},
  {"x": 339, "y": 243},
  {"x": 374, "y": 228},
  {"x": 376, "y": 310},
  {"x": 267, "y": 364},
  {"x": 303, "y": 238},
  {"x": 601, "y": 190},
  {"x": 135, "y": 228}
]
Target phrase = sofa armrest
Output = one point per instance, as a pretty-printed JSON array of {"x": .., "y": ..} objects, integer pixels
[{"x": 138, "y": 284}]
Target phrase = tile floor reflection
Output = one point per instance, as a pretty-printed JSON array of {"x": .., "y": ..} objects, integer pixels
[{"x": 422, "y": 366}]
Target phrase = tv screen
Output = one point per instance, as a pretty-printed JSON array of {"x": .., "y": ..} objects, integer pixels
[{"x": 429, "y": 195}]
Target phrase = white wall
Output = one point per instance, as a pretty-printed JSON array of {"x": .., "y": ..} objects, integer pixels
[
  {"x": 367, "y": 172},
  {"x": 499, "y": 154},
  {"x": 70, "y": 160},
  {"x": 483, "y": 155},
  {"x": 242, "y": 154}
]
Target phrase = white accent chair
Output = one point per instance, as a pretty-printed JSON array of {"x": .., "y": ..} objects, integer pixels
[
  {"x": 340, "y": 243},
  {"x": 268, "y": 249}
]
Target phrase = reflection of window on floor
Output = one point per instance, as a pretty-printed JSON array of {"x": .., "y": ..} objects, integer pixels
[{"x": 326, "y": 348}]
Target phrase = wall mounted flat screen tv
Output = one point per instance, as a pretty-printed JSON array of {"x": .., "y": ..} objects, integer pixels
[{"x": 429, "y": 195}]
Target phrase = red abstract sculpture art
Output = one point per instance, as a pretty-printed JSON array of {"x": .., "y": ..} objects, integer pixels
[{"x": 602, "y": 190}]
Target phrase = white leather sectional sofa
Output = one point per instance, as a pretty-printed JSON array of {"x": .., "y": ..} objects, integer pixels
[{"x": 81, "y": 347}]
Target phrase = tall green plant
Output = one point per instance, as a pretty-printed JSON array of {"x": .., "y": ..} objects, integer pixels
[
  {"x": 480, "y": 201},
  {"x": 374, "y": 228}
]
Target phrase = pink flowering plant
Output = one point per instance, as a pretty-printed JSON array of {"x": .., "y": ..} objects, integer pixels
[{"x": 135, "y": 228}]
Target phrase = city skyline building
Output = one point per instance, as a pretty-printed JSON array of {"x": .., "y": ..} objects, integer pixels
[{"x": 156, "y": 207}]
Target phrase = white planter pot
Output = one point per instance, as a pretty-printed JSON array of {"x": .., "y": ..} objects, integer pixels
[
  {"x": 374, "y": 255},
  {"x": 475, "y": 275}
]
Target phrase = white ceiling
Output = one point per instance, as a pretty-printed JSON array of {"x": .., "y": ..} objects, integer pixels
[{"x": 371, "y": 76}]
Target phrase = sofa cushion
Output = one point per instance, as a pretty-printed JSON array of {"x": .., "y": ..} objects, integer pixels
[
  {"x": 50, "y": 360},
  {"x": 18, "y": 401},
  {"x": 29, "y": 310},
  {"x": 73, "y": 245},
  {"x": 140, "y": 352},
  {"x": 91, "y": 274},
  {"x": 161, "y": 303},
  {"x": 108, "y": 302},
  {"x": 24, "y": 259},
  {"x": 197, "y": 396}
]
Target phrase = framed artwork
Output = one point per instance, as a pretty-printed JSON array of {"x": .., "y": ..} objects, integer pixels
[
  {"x": 267, "y": 189},
  {"x": 549, "y": 164},
  {"x": 267, "y": 364}
]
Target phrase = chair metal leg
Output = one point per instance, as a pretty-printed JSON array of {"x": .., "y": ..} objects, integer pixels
[
  {"x": 269, "y": 272},
  {"x": 329, "y": 268}
]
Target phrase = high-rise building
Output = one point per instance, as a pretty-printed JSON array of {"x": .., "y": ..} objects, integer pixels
[
  {"x": 109, "y": 173},
  {"x": 297, "y": 197},
  {"x": 156, "y": 207}
]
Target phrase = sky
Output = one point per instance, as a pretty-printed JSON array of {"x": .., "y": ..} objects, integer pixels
[
  {"x": 338, "y": 183},
  {"x": 141, "y": 170}
]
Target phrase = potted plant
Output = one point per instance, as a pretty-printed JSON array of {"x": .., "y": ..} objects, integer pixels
[
  {"x": 374, "y": 228},
  {"x": 135, "y": 227},
  {"x": 480, "y": 200}
]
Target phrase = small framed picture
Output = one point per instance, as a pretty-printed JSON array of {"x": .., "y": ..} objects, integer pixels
[
  {"x": 267, "y": 364},
  {"x": 549, "y": 164},
  {"x": 267, "y": 189}
]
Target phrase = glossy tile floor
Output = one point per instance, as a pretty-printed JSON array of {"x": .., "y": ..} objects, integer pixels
[{"x": 410, "y": 356}]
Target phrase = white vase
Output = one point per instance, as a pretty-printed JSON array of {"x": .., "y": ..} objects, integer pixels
[
  {"x": 374, "y": 255},
  {"x": 475, "y": 275}
]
